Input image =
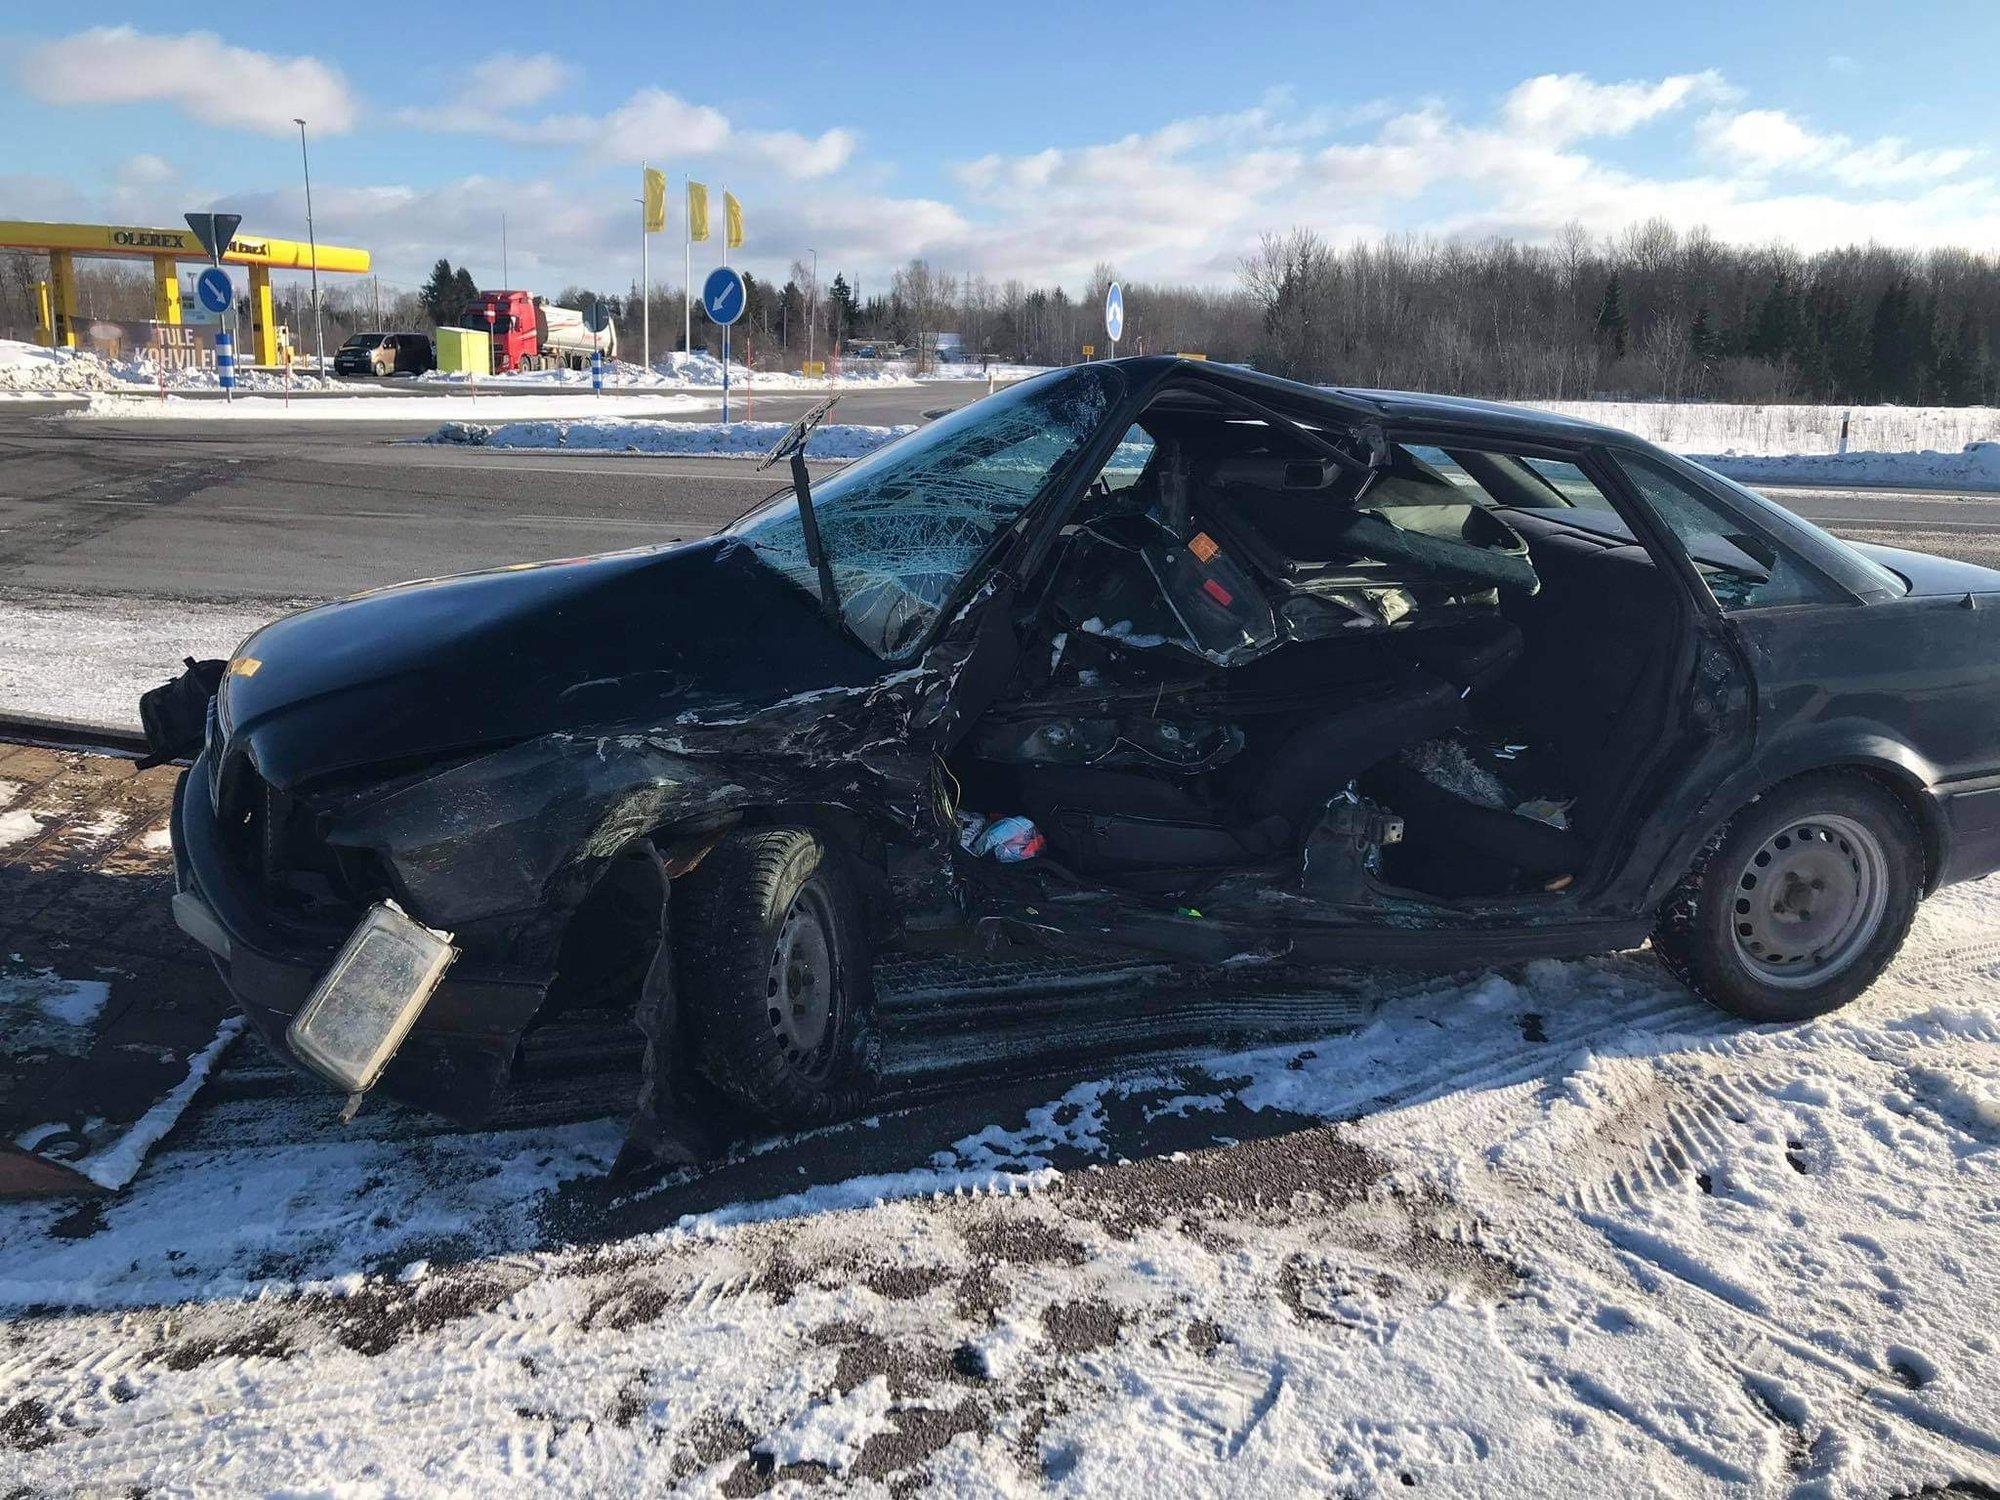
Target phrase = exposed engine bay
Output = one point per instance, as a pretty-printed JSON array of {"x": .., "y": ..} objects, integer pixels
[{"x": 1298, "y": 657}]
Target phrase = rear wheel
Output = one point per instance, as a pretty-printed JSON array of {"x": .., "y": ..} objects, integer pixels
[
  {"x": 1799, "y": 904},
  {"x": 773, "y": 972}
]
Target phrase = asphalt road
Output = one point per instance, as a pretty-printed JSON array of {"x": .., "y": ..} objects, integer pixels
[{"x": 284, "y": 511}]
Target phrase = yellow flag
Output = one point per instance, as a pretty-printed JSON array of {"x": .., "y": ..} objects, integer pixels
[
  {"x": 732, "y": 220},
  {"x": 697, "y": 211},
  {"x": 656, "y": 200}
]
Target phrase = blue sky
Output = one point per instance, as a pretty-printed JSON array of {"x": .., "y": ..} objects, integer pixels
[{"x": 1009, "y": 140}]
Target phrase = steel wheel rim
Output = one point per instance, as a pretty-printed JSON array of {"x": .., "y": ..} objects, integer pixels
[
  {"x": 799, "y": 989},
  {"x": 1809, "y": 900}
]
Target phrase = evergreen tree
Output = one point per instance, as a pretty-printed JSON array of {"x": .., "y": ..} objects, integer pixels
[
  {"x": 437, "y": 293},
  {"x": 1959, "y": 363},
  {"x": 1900, "y": 341},
  {"x": 1849, "y": 351},
  {"x": 1774, "y": 331},
  {"x": 1611, "y": 323},
  {"x": 845, "y": 308},
  {"x": 1704, "y": 342},
  {"x": 464, "y": 294}
]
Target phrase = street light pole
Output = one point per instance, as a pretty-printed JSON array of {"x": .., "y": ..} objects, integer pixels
[
  {"x": 812, "y": 311},
  {"x": 312, "y": 240}
]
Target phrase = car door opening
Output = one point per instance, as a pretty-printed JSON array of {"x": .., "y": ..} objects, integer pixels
[{"x": 1251, "y": 671}]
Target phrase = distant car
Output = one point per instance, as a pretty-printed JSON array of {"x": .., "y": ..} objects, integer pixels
[
  {"x": 1141, "y": 657},
  {"x": 385, "y": 354}
]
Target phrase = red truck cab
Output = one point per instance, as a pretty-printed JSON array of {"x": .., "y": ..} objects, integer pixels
[
  {"x": 531, "y": 333},
  {"x": 510, "y": 317}
]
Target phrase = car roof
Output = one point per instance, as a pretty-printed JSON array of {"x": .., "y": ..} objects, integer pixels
[{"x": 1498, "y": 418}]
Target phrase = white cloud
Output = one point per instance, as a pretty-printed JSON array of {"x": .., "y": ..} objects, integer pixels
[
  {"x": 652, "y": 124},
  {"x": 196, "y": 72},
  {"x": 512, "y": 80},
  {"x": 656, "y": 123},
  {"x": 1191, "y": 197},
  {"x": 1186, "y": 199},
  {"x": 483, "y": 96},
  {"x": 801, "y": 155},
  {"x": 1770, "y": 140},
  {"x": 1559, "y": 107}
]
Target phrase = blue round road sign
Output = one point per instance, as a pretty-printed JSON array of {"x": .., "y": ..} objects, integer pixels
[
  {"x": 722, "y": 295},
  {"x": 1114, "y": 312},
  {"x": 213, "y": 287}
]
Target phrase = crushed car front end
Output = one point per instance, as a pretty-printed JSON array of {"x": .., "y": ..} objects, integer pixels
[
  {"x": 273, "y": 909},
  {"x": 370, "y": 755}
]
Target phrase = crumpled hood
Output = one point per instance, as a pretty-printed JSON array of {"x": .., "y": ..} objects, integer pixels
[{"x": 464, "y": 663}]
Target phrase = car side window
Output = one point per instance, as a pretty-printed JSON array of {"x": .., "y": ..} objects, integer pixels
[
  {"x": 1743, "y": 569},
  {"x": 1575, "y": 488},
  {"x": 1128, "y": 460}
]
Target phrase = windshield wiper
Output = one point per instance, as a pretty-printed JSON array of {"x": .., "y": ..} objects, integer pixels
[{"x": 793, "y": 446}]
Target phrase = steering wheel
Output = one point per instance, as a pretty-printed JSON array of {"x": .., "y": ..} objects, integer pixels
[{"x": 795, "y": 435}]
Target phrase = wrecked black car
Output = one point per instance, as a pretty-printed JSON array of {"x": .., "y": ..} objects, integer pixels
[{"x": 1139, "y": 657}]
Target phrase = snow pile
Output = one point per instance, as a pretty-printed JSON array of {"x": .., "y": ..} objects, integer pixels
[
  {"x": 1976, "y": 467},
  {"x": 720, "y": 439},
  {"x": 373, "y": 405},
  {"x": 1004, "y": 374},
  {"x": 679, "y": 371},
  {"x": 31, "y": 370},
  {"x": 1788, "y": 428},
  {"x": 1927, "y": 446},
  {"x": 704, "y": 369}
]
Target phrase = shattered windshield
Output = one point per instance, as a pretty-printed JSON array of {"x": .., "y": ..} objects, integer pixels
[{"x": 903, "y": 526}]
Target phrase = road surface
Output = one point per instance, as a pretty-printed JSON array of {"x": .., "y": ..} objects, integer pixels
[{"x": 207, "y": 512}]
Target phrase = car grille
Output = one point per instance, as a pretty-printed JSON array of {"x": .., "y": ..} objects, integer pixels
[{"x": 276, "y": 843}]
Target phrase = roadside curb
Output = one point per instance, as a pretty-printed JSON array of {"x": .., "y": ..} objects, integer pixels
[{"x": 70, "y": 734}]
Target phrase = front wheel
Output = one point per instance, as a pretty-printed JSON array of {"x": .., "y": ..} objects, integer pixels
[
  {"x": 773, "y": 970},
  {"x": 1799, "y": 904}
]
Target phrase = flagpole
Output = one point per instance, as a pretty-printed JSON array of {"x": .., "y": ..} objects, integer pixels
[
  {"x": 725, "y": 223},
  {"x": 645, "y": 277},
  {"x": 687, "y": 275}
]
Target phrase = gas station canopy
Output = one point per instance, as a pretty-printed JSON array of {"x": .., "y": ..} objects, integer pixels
[{"x": 165, "y": 247}]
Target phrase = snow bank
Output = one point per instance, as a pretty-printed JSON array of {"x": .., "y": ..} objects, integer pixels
[
  {"x": 375, "y": 407},
  {"x": 969, "y": 370},
  {"x": 678, "y": 371},
  {"x": 717, "y": 439},
  {"x": 110, "y": 651},
  {"x": 1977, "y": 467},
  {"x": 1921, "y": 446},
  {"x": 31, "y": 370},
  {"x": 1766, "y": 429}
]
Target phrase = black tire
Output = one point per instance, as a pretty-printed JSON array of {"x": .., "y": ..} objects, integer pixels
[
  {"x": 757, "y": 888},
  {"x": 1740, "y": 929}
]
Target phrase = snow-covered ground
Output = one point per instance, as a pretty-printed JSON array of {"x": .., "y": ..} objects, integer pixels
[
  {"x": 972, "y": 370},
  {"x": 87, "y": 659},
  {"x": 376, "y": 408},
  {"x": 1718, "y": 427},
  {"x": 29, "y": 370},
  {"x": 1752, "y": 444},
  {"x": 1926, "y": 446},
  {"x": 1557, "y": 1231},
  {"x": 678, "y": 371},
  {"x": 733, "y": 439}
]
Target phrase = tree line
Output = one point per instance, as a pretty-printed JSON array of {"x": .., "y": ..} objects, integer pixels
[{"x": 1652, "y": 312}]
